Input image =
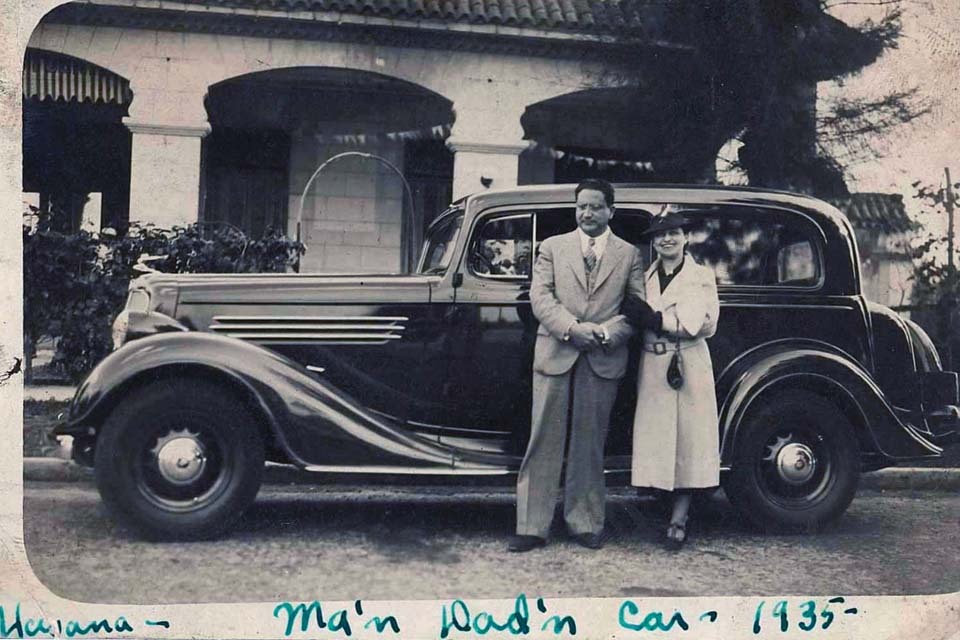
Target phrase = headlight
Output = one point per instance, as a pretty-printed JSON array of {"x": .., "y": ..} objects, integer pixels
[
  {"x": 120, "y": 326},
  {"x": 138, "y": 300}
]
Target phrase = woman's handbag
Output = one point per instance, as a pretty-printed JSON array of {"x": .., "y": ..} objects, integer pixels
[
  {"x": 675, "y": 368},
  {"x": 675, "y": 371}
]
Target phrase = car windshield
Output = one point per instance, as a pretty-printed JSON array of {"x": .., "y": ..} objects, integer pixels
[{"x": 440, "y": 243}]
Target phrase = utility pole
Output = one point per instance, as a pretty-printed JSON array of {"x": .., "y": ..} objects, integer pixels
[
  {"x": 948, "y": 203},
  {"x": 951, "y": 301}
]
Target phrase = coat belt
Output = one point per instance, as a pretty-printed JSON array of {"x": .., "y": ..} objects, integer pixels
[{"x": 660, "y": 347}]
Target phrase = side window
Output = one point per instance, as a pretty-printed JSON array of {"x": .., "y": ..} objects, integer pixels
[
  {"x": 502, "y": 247},
  {"x": 628, "y": 223},
  {"x": 553, "y": 222},
  {"x": 750, "y": 247}
]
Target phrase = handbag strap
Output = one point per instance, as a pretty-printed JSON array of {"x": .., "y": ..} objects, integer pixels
[{"x": 677, "y": 317}]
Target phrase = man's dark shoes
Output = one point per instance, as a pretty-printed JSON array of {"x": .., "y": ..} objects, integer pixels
[
  {"x": 521, "y": 544},
  {"x": 589, "y": 540}
]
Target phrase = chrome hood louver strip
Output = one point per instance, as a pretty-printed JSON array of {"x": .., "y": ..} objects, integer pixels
[{"x": 357, "y": 330}]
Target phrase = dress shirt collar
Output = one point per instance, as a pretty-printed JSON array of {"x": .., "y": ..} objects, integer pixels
[{"x": 599, "y": 245}]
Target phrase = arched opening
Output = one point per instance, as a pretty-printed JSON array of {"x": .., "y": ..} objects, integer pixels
[
  {"x": 76, "y": 150},
  {"x": 620, "y": 134},
  {"x": 272, "y": 129}
]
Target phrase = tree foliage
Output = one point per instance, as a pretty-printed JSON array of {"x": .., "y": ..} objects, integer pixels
[
  {"x": 752, "y": 75},
  {"x": 76, "y": 283},
  {"x": 936, "y": 278}
]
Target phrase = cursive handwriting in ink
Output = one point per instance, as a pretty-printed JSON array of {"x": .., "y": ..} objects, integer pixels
[
  {"x": 302, "y": 612},
  {"x": 653, "y": 621},
  {"x": 307, "y": 613},
  {"x": 458, "y": 617},
  {"x": 558, "y": 622},
  {"x": 158, "y": 623},
  {"x": 21, "y": 627},
  {"x": 808, "y": 615},
  {"x": 517, "y": 623}
]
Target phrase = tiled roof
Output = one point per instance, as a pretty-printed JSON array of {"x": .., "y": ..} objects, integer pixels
[
  {"x": 578, "y": 15},
  {"x": 882, "y": 211}
]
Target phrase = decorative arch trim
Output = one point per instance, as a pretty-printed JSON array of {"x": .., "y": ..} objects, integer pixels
[{"x": 58, "y": 77}]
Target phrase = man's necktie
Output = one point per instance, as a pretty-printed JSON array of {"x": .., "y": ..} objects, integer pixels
[{"x": 590, "y": 257}]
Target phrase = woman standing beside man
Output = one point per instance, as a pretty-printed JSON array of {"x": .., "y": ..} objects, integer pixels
[{"x": 675, "y": 432}]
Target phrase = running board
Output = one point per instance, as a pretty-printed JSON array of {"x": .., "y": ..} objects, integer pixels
[{"x": 424, "y": 471}]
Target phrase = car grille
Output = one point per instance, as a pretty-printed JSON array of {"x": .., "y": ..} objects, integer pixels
[{"x": 370, "y": 330}]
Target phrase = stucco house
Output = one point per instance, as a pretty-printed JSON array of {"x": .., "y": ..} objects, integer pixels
[
  {"x": 884, "y": 231},
  {"x": 174, "y": 111}
]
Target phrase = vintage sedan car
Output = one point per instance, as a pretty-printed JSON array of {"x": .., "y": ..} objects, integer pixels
[{"x": 430, "y": 372}]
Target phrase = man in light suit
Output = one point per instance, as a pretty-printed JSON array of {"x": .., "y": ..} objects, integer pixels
[{"x": 579, "y": 281}]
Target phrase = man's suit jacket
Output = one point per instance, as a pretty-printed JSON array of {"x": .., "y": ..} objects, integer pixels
[{"x": 559, "y": 295}]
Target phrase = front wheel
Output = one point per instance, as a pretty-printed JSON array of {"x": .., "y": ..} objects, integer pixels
[
  {"x": 179, "y": 459},
  {"x": 796, "y": 464}
]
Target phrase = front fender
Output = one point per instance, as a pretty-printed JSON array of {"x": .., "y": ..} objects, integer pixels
[
  {"x": 310, "y": 420},
  {"x": 821, "y": 368}
]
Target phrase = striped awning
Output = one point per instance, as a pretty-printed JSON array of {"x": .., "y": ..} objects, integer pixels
[{"x": 53, "y": 76}]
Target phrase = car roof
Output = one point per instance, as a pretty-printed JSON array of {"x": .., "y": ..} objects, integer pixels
[
  {"x": 628, "y": 193},
  {"x": 639, "y": 192},
  {"x": 833, "y": 227}
]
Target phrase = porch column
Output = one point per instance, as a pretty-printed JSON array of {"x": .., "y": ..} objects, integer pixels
[
  {"x": 165, "y": 173},
  {"x": 168, "y": 122},
  {"x": 486, "y": 141}
]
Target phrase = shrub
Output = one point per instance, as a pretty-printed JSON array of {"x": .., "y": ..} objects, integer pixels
[{"x": 76, "y": 283}]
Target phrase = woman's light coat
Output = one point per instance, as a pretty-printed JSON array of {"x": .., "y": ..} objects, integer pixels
[{"x": 675, "y": 433}]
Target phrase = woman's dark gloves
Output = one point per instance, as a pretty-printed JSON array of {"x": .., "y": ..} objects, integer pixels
[{"x": 641, "y": 315}]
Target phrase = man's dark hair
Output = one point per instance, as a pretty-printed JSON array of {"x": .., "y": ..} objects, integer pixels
[{"x": 596, "y": 184}]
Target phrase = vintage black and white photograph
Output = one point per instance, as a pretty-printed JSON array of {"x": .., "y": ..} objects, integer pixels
[{"x": 423, "y": 300}]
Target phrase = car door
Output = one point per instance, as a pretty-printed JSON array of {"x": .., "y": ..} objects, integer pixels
[
  {"x": 493, "y": 331},
  {"x": 489, "y": 337}
]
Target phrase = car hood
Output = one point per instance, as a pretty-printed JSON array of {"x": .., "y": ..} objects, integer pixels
[{"x": 287, "y": 288}]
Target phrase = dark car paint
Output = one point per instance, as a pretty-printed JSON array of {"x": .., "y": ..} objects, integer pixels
[
  {"x": 312, "y": 422},
  {"x": 453, "y": 391}
]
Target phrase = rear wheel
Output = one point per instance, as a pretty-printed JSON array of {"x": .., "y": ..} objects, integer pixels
[
  {"x": 796, "y": 464},
  {"x": 179, "y": 459}
]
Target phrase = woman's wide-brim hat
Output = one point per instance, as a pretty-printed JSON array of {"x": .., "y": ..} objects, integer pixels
[{"x": 665, "y": 221}]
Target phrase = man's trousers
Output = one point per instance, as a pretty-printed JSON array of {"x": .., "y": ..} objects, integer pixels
[{"x": 578, "y": 401}]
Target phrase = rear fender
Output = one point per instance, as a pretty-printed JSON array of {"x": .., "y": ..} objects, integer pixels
[
  {"x": 312, "y": 422},
  {"x": 759, "y": 374}
]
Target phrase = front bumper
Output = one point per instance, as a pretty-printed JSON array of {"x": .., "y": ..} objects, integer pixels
[{"x": 74, "y": 442}]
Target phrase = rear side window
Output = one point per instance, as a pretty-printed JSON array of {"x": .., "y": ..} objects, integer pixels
[{"x": 751, "y": 247}]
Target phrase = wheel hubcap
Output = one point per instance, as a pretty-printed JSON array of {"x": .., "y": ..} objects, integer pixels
[
  {"x": 796, "y": 463},
  {"x": 181, "y": 458}
]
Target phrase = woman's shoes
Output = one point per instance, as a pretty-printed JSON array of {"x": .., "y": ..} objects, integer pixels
[{"x": 676, "y": 536}]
